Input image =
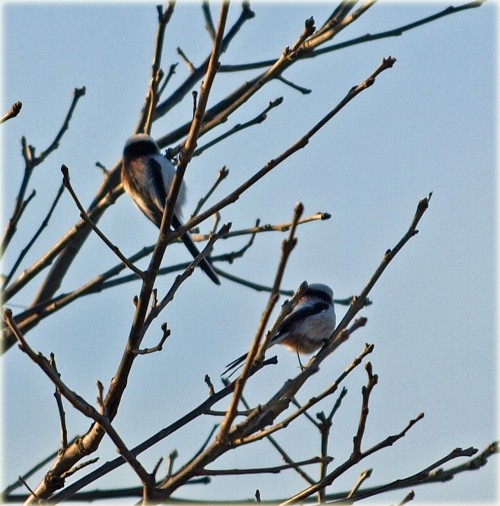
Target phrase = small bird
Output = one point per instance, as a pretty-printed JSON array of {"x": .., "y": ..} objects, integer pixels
[
  {"x": 146, "y": 177},
  {"x": 307, "y": 327}
]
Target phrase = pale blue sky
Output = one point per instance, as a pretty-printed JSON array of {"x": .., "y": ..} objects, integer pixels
[{"x": 428, "y": 124}]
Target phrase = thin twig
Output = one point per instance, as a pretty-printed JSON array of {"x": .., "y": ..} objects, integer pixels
[
  {"x": 366, "y": 392},
  {"x": 157, "y": 308},
  {"x": 159, "y": 346},
  {"x": 172, "y": 456},
  {"x": 221, "y": 175},
  {"x": 262, "y": 470},
  {"x": 77, "y": 94},
  {"x": 13, "y": 111},
  {"x": 166, "y": 80},
  {"x": 36, "y": 235},
  {"x": 186, "y": 60},
  {"x": 25, "y": 483},
  {"x": 257, "y": 120},
  {"x": 361, "y": 479},
  {"x": 407, "y": 498},
  {"x": 304, "y": 91},
  {"x": 79, "y": 467},
  {"x": 209, "y": 22},
  {"x": 282, "y": 227},
  {"x": 152, "y": 96},
  {"x": 60, "y": 408},
  {"x": 325, "y": 427},
  {"x": 284, "y": 455},
  {"x": 201, "y": 449},
  {"x": 95, "y": 228}
]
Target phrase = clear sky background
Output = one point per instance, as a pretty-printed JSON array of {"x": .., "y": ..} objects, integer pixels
[{"x": 428, "y": 124}]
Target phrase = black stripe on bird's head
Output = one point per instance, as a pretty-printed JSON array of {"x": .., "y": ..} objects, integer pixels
[
  {"x": 320, "y": 291},
  {"x": 140, "y": 145}
]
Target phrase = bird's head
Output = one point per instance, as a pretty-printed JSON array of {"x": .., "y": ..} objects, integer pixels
[{"x": 140, "y": 145}]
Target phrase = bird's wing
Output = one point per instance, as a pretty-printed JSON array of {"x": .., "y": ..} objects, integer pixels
[
  {"x": 162, "y": 173},
  {"x": 298, "y": 316},
  {"x": 158, "y": 188},
  {"x": 293, "y": 318}
]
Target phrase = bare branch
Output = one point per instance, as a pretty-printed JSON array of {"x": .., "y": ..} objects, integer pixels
[
  {"x": 284, "y": 455},
  {"x": 36, "y": 235},
  {"x": 342, "y": 468},
  {"x": 239, "y": 127},
  {"x": 304, "y": 91},
  {"x": 415, "y": 479},
  {"x": 31, "y": 161},
  {"x": 159, "y": 346},
  {"x": 186, "y": 60},
  {"x": 77, "y": 94},
  {"x": 262, "y": 470},
  {"x": 151, "y": 100},
  {"x": 222, "y": 174},
  {"x": 106, "y": 468},
  {"x": 60, "y": 408},
  {"x": 366, "y": 392},
  {"x": 361, "y": 479},
  {"x": 13, "y": 111},
  {"x": 87, "y": 219},
  {"x": 209, "y": 22}
]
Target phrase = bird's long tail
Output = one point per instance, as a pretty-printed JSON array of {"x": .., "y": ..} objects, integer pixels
[
  {"x": 235, "y": 365},
  {"x": 205, "y": 264}
]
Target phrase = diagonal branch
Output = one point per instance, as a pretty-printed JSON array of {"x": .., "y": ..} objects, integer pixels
[
  {"x": 13, "y": 111},
  {"x": 151, "y": 100},
  {"x": 36, "y": 235},
  {"x": 257, "y": 120},
  {"x": 95, "y": 228}
]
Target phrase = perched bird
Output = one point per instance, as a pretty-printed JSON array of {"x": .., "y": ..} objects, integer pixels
[
  {"x": 306, "y": 328},
  {"x": 146, "y": 177}
]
